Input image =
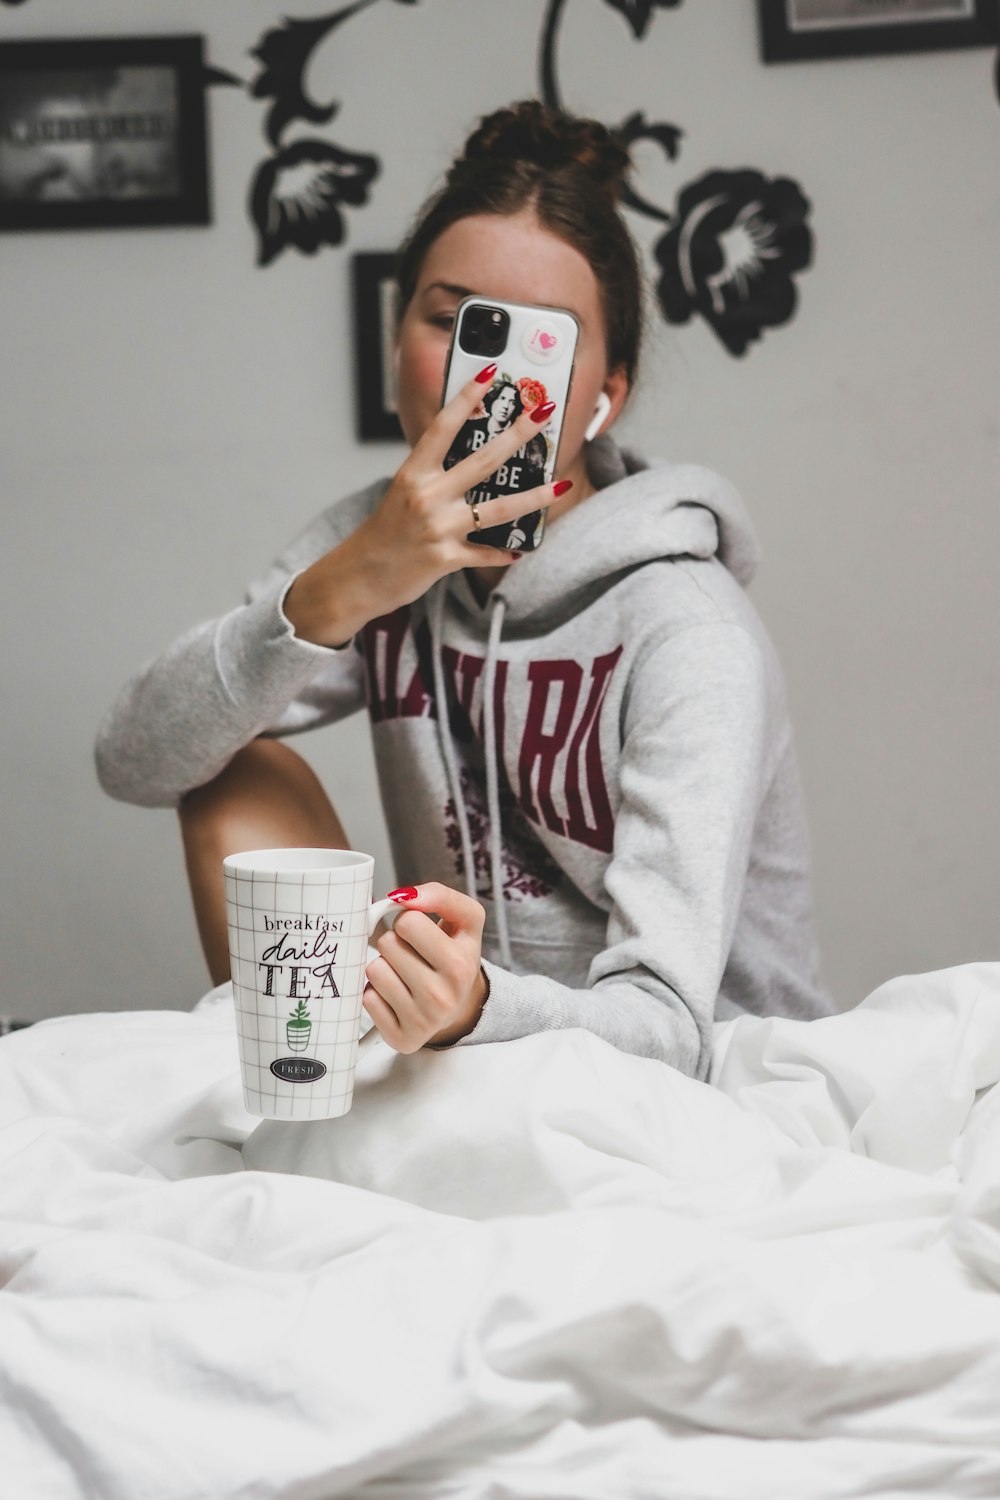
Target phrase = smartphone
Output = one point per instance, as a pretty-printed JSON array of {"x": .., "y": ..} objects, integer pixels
[{"x": 534, "y": 349}]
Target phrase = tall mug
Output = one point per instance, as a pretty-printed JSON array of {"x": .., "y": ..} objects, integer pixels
[{"x": 299, "y": 924}]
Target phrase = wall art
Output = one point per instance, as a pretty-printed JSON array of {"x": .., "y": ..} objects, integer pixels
[
  {"x": 731, "y": 247},
  {"x": 373, "y": 295},
  {"x": 299, "y": 192},
  {"x": 102, "y": 132},
  {"x": 791, "y": 30},
  {"x": 733, "y": 241}
]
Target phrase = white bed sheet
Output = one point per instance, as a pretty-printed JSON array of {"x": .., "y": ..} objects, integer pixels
[{"x": 538, "y": 1270}]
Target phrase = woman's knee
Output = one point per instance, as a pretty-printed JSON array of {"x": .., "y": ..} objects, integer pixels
[{"x": 266, "y": 796}]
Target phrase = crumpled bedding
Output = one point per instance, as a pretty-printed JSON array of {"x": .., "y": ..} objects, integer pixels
[{"x": 532, "y": 1270}]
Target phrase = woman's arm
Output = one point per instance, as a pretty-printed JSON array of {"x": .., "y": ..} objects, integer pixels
[
  {"x": 186, "y": 714},
  {"x": 181, "y": 719},
  {"x": 183, "y": 716}
]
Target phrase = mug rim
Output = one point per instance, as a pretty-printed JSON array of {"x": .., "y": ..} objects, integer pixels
[{"x": 293, "y": 861}]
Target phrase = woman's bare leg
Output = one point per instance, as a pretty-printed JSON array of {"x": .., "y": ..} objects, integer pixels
[{"x": 266, "y": 798}]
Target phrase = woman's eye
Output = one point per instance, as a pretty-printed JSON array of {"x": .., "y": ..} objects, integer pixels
[{"x": 444, "y": 320}]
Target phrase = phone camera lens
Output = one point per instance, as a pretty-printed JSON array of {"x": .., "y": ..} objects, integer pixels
[{"x": 484, "y": 330}]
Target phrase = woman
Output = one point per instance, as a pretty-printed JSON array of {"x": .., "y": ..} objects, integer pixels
[{"x": 592, "y": 740}]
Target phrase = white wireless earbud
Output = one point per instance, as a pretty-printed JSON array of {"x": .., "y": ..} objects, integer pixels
[{"x": 597, "y": 420}]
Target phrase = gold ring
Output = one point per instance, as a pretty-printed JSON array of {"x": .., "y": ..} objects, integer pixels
[{"x": 477, "y": 523}]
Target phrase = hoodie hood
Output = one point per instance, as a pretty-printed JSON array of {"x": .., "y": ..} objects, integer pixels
[{"x": 642, "y": 511}]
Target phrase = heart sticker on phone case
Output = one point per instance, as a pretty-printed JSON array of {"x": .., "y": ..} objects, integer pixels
[{"x": 541, "y": 343}]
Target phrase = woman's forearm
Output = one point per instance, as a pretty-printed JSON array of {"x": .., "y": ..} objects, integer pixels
[{"x": 183, "y": 716}]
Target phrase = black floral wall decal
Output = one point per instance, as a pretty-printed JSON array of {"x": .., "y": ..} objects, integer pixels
[
  {"x": 285, "y": 53},
  {"x": 639, "y": 13},
  {"x": 296, "y": 196},
  {"x": 211, "y": 76},
  {"x": 667, "y": 137},
  {"x": 735, "y": 240},
  {"x": 297, "y": 193}
]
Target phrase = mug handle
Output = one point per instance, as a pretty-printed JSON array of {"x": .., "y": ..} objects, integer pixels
[{"x": 382, "y": 911}]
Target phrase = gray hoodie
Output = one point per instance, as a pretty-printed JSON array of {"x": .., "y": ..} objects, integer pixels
[{"x": 615, "y": 757}]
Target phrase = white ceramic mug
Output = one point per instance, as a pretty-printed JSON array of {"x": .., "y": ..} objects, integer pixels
[{"x": 299, "y": 924}]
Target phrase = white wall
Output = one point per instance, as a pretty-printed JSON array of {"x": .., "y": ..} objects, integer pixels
[{"x": 171, "y": 414}]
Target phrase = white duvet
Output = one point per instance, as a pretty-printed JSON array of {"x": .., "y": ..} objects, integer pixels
[{"x": 537, "y": 1270}]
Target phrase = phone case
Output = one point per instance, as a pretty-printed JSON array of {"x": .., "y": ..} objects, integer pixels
[{"x": 535, "y": 366}]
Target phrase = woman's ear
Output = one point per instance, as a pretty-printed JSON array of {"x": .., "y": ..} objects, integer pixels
[
  {"x": 609, "y": 403},
  {"x": 601, "y": 410}
]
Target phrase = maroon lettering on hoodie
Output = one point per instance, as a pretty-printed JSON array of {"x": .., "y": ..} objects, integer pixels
[
  {"x": 586, "y": 746},
  {"x": 541, "y": 749},
  {"x": 393, "y": 653},
  {"x": 560, "y": 774}
]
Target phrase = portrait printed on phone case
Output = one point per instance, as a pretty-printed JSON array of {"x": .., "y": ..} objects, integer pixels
[{"x": 501, "y": 405}]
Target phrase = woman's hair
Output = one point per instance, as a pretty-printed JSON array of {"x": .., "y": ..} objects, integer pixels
[
  {"x": 493, "y": 393},
  {"x": 570, "y": 171}
]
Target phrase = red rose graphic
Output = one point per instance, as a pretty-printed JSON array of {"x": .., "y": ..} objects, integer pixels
[{"x": 532, "y": 392}]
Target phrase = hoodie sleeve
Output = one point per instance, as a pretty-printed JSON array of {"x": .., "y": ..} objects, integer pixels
[
  {"x": 694, "y": 764},
  {"x": 180, "y": 720}
]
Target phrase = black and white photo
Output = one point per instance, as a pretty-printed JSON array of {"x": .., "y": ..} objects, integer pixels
[{"x": 102, "y": 132}]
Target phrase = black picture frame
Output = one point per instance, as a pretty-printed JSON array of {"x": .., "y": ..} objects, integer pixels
[
  {"x": 796, "y": 30},
  {"x": 103, "y": 132},
  {"x": 373, "y": 294}
]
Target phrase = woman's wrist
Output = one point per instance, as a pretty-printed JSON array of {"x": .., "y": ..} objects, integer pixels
[
  {"x": 329, "y": 602},
  {"x": 468, "y": 1020}
]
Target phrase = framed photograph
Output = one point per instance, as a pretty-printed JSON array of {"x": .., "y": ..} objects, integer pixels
[
  {"x": 373, "y": 289},
  {"x": 794, "y": 29},
  {"x": 101, "y": 132}
]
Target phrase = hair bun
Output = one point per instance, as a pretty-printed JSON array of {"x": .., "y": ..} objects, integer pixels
[{"x": 550, "y": 138}]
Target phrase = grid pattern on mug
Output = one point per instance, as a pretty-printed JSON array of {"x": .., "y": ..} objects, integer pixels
[{"x": 261, "y": 1019}]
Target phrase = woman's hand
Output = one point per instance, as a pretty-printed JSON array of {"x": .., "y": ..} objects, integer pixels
[
  {"x": 419, "y": 531},
  {"x": 428, "y": 985}
]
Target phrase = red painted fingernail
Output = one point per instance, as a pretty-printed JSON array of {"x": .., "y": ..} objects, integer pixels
[
  {"x": 543, "y": 413},
  {"x": 562, "y": 486},
  {"x": 405, "y": 893},
  {"x": 486, "y": 374},
  {"x": 517, "y": 556}
]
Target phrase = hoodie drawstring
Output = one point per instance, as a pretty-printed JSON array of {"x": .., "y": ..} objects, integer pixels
[
  {"x": 497, "y": 612},
  {"x": 444, "y": 736},
  {"x": 499, "y": 609}
]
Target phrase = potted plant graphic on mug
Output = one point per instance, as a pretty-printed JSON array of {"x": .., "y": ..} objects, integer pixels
[{"x": 297, "y": 1029}]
